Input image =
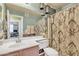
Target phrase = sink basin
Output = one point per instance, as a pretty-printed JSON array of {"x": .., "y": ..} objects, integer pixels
[
  {"x": 17, "y": 45},
  {"x": 14, "y": 45},
  {"x": 6, "y": 45}
]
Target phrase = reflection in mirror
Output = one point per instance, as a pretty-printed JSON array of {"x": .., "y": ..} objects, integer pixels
[
  {"x": 29, "y": 31},
  {"x": 15, "y": 26},
  {"x": 14, "y": 29},
  {"x": 1, "y": 23}
]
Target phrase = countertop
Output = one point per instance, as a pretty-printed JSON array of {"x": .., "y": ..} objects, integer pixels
[{"x": 17, "y": 46}]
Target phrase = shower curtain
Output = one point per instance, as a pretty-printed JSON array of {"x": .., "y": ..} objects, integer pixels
[{"x": 64, "y": 31}]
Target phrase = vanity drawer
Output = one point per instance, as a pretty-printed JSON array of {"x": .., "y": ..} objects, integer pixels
[{"x": 33, "y": 51}]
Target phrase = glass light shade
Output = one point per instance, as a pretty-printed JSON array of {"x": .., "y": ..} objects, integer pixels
[
  {"x": 47, "y": 9},
  {"x": 42, "y": 14},
  {"x": 41, "y": 6}
]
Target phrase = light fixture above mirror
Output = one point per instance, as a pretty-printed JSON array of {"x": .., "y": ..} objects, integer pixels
[
  {"x": 46, "y": 9},
  {"x": 42, "y": 6}
]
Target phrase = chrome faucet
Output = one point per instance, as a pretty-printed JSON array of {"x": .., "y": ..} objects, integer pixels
[{"x": 18, "y": 40}]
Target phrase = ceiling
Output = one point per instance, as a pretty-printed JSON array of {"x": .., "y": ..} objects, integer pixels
[
  {"x": 20, "y": 7},
  {"x": 57, "y": 5},
  {"x": 35, "y": 7}
]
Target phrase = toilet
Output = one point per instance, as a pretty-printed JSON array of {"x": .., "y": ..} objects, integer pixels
[
  {"x": 50, "y": 52},
  {"x": 43, "y": 44}
]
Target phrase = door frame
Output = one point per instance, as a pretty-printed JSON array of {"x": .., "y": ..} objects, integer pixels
[{"x": 20, "y": 27}]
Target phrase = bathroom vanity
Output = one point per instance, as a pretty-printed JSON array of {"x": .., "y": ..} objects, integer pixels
[
  {"x": 29, "y": 46},
  {"x": 31, "y": 51},
  {"x": 25, "y": 48}
]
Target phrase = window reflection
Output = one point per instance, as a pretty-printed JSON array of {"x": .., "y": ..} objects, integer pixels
[{"x": 14, "y": 31}]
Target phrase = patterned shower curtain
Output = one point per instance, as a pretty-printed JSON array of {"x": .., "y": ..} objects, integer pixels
[{"x": 64, "y": 31}]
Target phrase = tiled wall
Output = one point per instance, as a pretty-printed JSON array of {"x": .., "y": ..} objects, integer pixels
[{"x": 64, "y": 31}]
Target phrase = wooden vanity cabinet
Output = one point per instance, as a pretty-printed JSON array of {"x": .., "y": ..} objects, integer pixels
[
  {"x": 13, "y": 54},
  {"x": 32, "y": 51}
]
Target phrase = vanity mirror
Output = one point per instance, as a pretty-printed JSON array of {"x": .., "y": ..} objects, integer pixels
[
  {"x": 1, "y": 22},
  {"x": 15, "y": 25}
]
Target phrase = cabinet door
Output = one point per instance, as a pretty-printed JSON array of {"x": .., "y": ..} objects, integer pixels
[
  {"x": 13, "y": 54},
  {"x": 33, "y": 51}
]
